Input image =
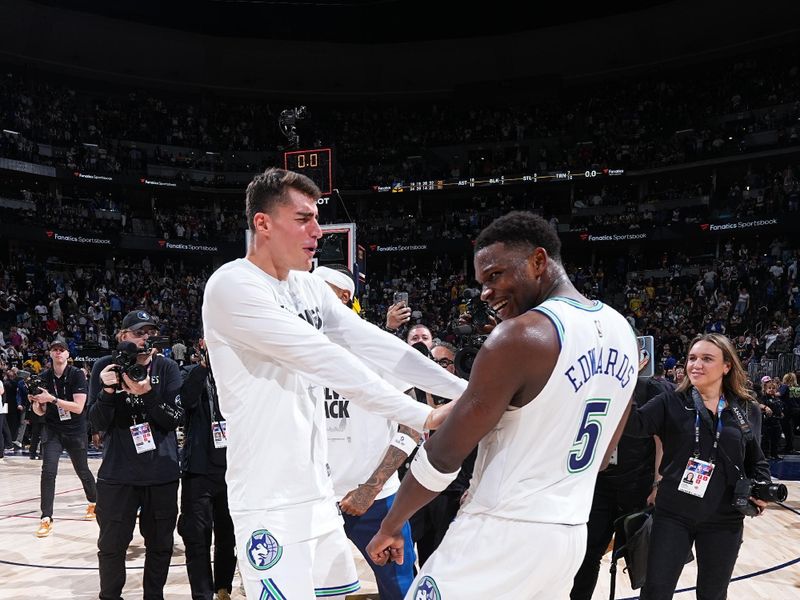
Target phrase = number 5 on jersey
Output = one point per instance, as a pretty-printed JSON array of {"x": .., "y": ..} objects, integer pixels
[{"x": 583, "y": 448}]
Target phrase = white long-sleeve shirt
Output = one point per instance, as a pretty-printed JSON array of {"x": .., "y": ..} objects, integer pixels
[{"x": 269, "y": 342}]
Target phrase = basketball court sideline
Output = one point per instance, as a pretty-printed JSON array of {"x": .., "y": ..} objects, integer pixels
[{"x": 64, "y": 565}]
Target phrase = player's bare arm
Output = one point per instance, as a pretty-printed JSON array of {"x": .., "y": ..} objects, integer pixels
[
  {"x": 497, "y": 381},
  {"x": 356, "y": 502}
]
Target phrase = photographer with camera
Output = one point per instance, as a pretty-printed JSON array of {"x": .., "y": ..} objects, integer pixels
[
  {"x": 204, "y": 494},
  {"x": 60, "y": 399},
  {"x": 136, "y": 403},
  {"x": 709, "y": 427},
  {"x": 27, "y": 416}
]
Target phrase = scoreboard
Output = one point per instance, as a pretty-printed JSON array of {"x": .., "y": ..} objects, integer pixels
[{"x": 315, "y": 164}]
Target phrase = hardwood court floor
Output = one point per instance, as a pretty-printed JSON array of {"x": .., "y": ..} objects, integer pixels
[{"x": 64, "y": 565}]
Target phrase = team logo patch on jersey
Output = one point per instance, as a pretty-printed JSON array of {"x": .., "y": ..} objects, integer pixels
[
  {"x": 263, "y": 550},
  {"x": 427, "y": 589}
]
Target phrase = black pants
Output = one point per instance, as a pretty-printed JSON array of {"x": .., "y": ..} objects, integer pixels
[
  {"x": 117, "y": 505},
  {"x": 5, "y": 435},
  {"x": 36, "y": 433},
  {"x": 610, "y": 502},
  {"x": 716, "y": 546},
  {"x": 770, "y": 437},
  {"x": 791, "y": 418},
  {"x": 52, "y": 445},
  {"x": 431, "y": 522},
  {"x": 204, "y": 507}
]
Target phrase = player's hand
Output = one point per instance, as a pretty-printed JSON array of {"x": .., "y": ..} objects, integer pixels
[
  {"x": 438, "y": 415},
  {"x": 385, "y": 547},
  {"x": 397, "y": 315},
  {"x": 356, "y": 502}
]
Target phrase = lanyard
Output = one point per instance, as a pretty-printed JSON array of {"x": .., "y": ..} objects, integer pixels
[
  {"x": 211, "y": 391},
  {"x": 698, "y": 409}
]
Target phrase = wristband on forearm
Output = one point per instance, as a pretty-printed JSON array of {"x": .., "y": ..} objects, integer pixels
[
  {"x": 404, "y": 442},
  {"x": 429, "y": 476}
]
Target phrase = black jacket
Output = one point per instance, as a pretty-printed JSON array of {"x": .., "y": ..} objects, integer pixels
[
  {"x": 671, "y": 416},
  {"x": 199, "y": 454},
  {"x": 115, "y": 413}
]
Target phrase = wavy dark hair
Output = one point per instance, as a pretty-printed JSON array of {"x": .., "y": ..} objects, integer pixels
[
  {"x": 271, "y": 188},
  {"x": 735, "y": 384}
]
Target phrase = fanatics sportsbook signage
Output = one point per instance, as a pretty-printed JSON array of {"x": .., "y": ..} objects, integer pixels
[{"x": 56, "y": 236}]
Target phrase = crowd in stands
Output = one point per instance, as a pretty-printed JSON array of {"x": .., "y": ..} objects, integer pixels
[{"x": 671, "y": 117}]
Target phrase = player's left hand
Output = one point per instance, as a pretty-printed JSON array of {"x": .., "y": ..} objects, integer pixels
[
  {"x": 385, "y": 547},
  {"x": 356, "y": 502},
  {"x": 438, "y": 415}
]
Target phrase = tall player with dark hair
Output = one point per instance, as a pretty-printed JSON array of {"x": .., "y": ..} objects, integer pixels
[
  {"x": 546, "y": 396},
  {"x": 274, "y": 332}
]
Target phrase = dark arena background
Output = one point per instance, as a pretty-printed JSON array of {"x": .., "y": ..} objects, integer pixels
[{"x": 660, "y": 138}]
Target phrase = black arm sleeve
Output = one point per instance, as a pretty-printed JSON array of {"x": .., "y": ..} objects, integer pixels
[
  {"x": 164, "y": 404},
  {"x": 648, "y": 420}
]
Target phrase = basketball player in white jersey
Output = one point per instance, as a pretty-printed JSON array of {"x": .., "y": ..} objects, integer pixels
[
  {"x": 545, "y": 402},
  {"x": 273, "y": 333}
]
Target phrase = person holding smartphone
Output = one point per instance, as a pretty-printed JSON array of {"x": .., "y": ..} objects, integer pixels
[{"x": 399, "y": 313}]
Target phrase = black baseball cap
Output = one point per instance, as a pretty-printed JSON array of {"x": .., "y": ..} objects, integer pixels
[
  {"x": 59, "y": 344},
  {"x": 136, "y": 319}
]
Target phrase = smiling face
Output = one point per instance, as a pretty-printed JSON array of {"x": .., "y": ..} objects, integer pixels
[
  {"x": 511, "y": 277},
  {"x": 291, "y": 230},
  {"x": 706, "y": 367}
]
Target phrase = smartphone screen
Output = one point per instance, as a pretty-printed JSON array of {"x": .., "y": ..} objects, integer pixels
[{"x": 401, "y": 297}]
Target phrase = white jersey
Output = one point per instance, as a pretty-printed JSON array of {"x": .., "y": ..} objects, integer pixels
[
  {"x": 540, "y": 462},
  {"x": 270, "y": 342},
  {"x": 357, "y": 442}
]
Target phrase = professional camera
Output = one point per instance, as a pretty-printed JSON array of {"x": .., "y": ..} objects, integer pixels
[
  {"x": 745, "y": 488},
  {"x": 480, "y": 313},
  {"x": 159, "y": 342},
  {"x": 470, "y": 333},
  {"x": 124, "y": 357},
  {"x": 35, "y": 385}
]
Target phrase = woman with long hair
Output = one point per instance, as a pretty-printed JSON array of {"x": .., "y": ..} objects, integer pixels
[{"x": 710, "y": 426}]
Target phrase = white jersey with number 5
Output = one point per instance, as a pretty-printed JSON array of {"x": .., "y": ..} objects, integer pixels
[{"x": 540, "y": 462}]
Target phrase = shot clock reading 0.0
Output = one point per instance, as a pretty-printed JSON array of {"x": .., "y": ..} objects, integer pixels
[{"x": 315, "y": 164}]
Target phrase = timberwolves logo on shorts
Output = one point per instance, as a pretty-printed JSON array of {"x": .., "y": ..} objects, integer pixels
[
  {"x": 263, "y": 550},
  {"x": 427, "y": 590}
]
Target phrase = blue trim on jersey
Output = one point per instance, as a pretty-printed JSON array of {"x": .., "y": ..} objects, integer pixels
[
  {"x": 574, "y": 303},
  {"x": 556, "y": 322},
  {"x": 337, "y": 590}
]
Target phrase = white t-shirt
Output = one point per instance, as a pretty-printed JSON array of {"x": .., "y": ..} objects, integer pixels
[
  {"x": 357, "y": 442},
  {"x": 270, "y": 342}
]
